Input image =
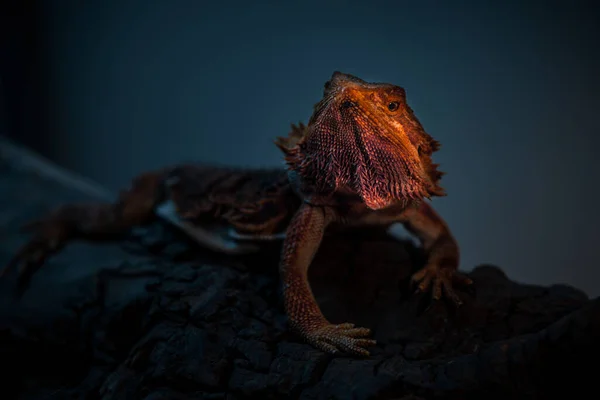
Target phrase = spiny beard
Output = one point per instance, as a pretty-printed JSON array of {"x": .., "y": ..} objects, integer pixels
[{"x": 345, "y": 149}]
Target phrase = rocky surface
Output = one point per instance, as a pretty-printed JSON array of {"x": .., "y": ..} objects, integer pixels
[{"x": 156, "y": 317}]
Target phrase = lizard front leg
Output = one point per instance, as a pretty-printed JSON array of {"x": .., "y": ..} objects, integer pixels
[
  {"x": 303, "y": 238},
  {"x": 440, "y": 272}
]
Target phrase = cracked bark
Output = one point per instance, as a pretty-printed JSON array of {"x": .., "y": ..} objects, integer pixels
[{"x": 156, "y": 317}]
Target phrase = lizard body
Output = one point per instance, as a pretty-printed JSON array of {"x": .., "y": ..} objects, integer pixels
[{"x": 362, "y": 159}]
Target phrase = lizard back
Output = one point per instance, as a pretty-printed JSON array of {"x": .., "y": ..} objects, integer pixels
[{"x": 255, "y": 203}]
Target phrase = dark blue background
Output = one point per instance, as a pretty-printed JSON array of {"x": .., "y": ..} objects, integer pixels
[{"x": 113, "y": 88}]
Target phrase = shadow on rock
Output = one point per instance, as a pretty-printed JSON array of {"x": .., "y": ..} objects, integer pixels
[{"x": 200, "y": 325}]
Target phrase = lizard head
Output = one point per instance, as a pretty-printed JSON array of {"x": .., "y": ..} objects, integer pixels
[{"x": 363, "y": 137}]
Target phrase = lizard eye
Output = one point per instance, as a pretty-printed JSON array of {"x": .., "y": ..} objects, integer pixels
[{"x": 393, "y": 106}]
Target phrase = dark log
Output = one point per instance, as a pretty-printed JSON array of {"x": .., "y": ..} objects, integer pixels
[{"x": 157, "y": 317}]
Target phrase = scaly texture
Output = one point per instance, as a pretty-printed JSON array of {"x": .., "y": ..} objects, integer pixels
[
  {"x": 363, "y": 159},
  {"x": 305, "y": 234},
  {"x": 365, "y": 138}
]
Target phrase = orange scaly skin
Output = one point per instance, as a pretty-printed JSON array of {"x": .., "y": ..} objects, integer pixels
[{"x": 363, "y": 159}]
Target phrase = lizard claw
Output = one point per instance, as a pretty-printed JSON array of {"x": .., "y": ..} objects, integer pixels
[
  {"x": 438, "y": 279},
  {"x": 48, "y": 238},
  {"x": 345, "y": 337}
]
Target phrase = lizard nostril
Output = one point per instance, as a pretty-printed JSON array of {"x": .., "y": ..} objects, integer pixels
[{"x": 347, "y": 104}]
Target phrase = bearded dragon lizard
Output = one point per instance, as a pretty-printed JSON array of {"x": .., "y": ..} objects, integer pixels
[{"x": 363, "y": 159}]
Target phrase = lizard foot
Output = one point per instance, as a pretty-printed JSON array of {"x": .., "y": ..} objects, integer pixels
[
  {"x": 49, "y": 237},
  {"x": 438, "y": 278},
  {"x": 334, "y": 339}
]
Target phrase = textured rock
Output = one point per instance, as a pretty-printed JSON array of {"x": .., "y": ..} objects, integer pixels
[{"x": 156, "y": 317}]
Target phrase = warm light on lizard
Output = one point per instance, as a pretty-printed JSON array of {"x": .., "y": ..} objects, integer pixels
[{"x": 363, "y": 159}]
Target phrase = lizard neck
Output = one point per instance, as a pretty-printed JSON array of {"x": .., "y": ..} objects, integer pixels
[{"x": 342, "y": 197}]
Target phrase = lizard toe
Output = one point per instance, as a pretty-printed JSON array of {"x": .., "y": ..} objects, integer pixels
[
  {"x": 345, "y": 325},
  {"x": 451, "y": 293},
  {"x": 441, "y": 281},
  {"x": 326, "y": 347},
  {"x": 334, "y": 339},
  {"x": 461, "y": 279},
  {"x": 356, "y": 332}
]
